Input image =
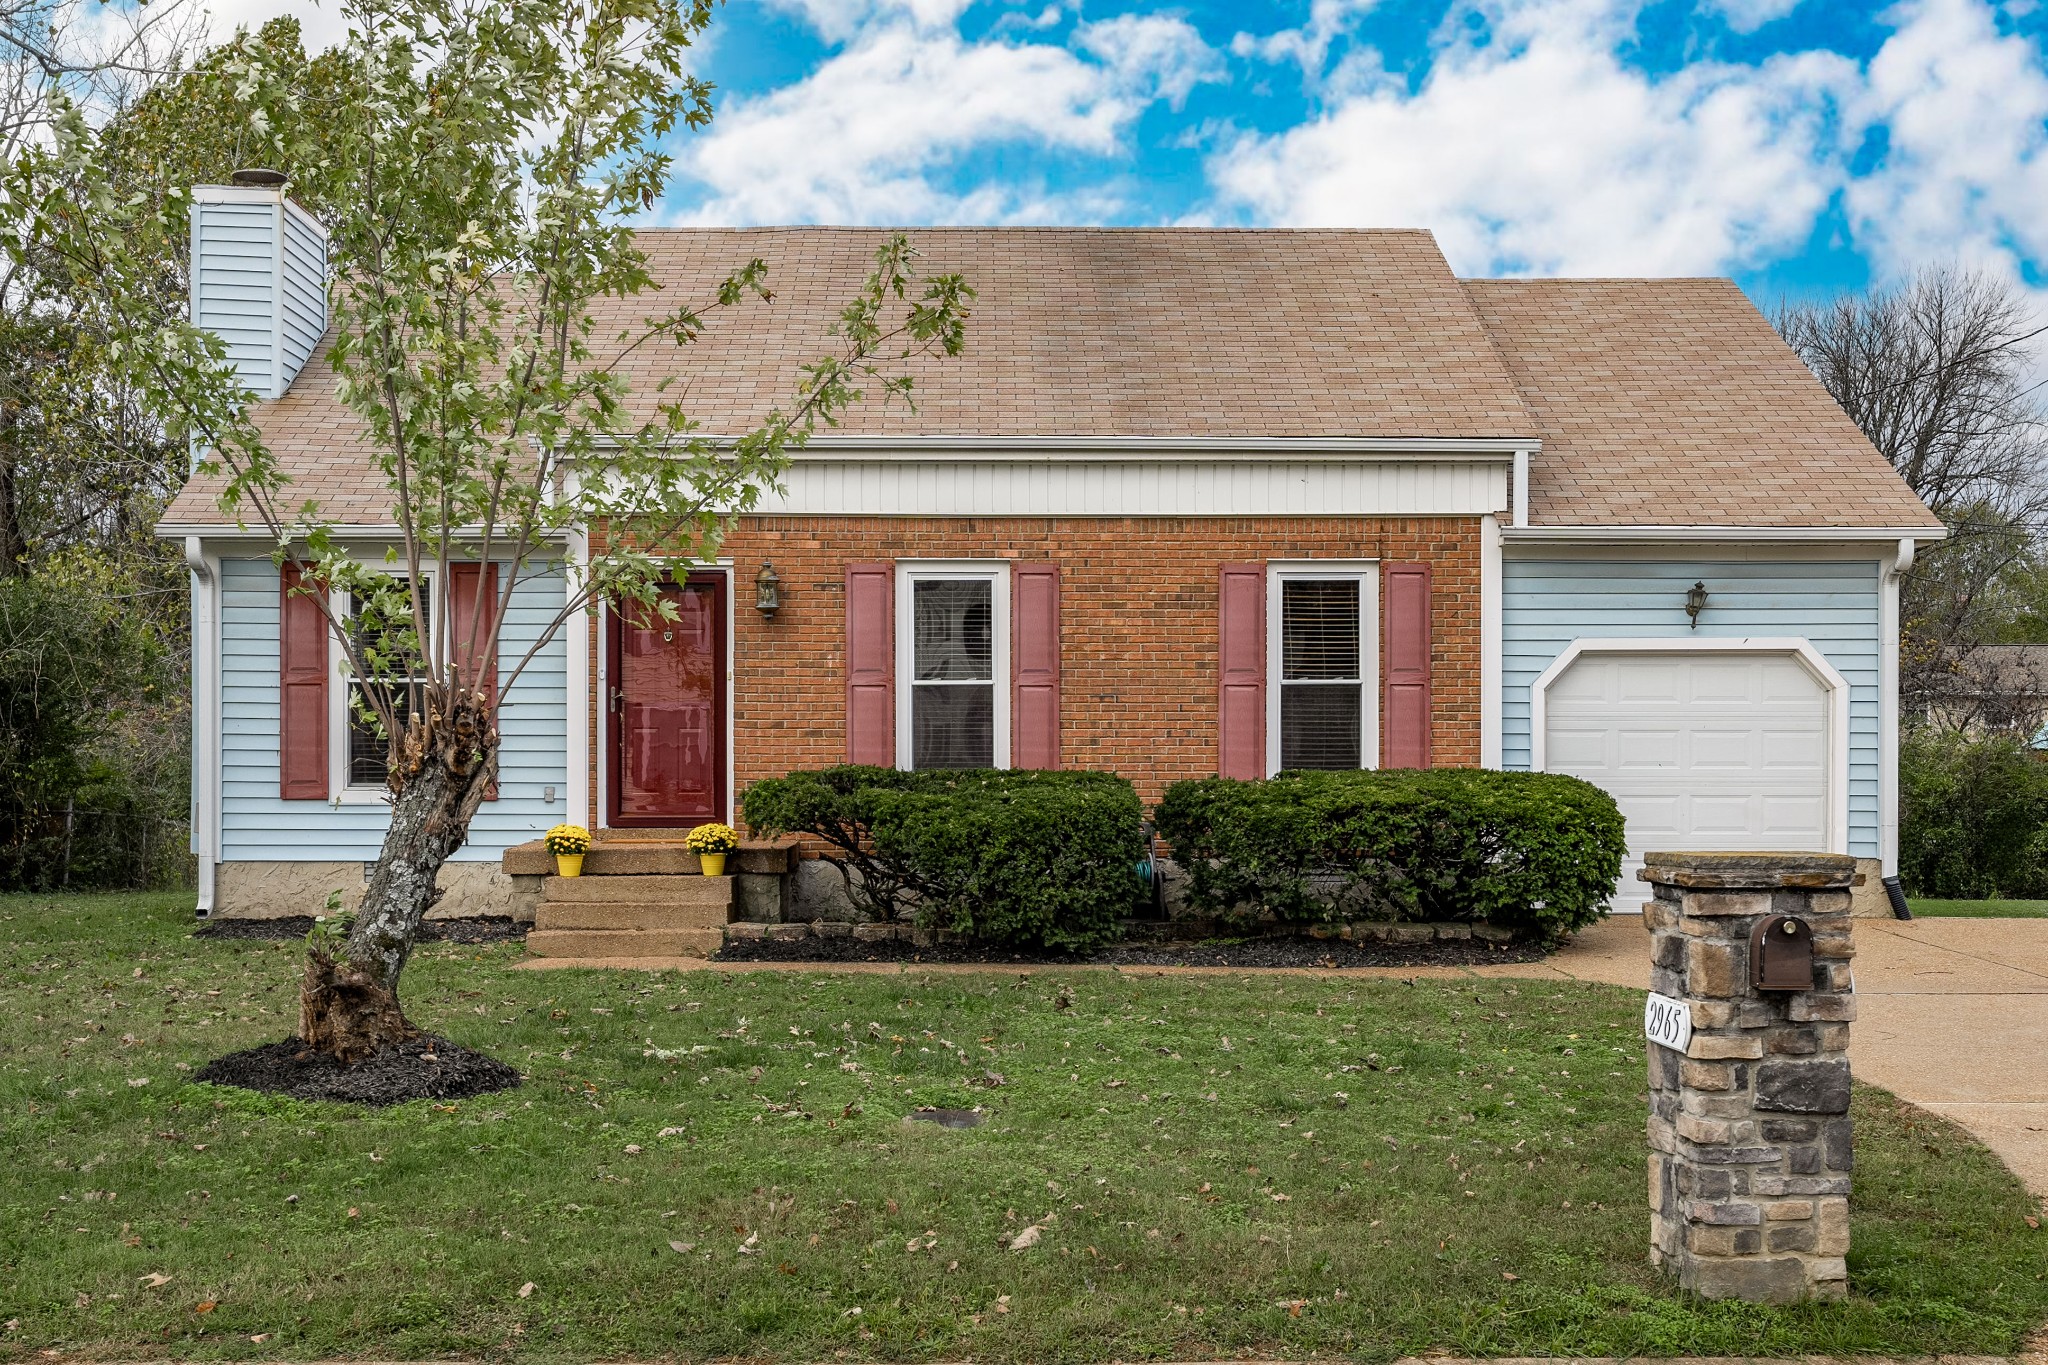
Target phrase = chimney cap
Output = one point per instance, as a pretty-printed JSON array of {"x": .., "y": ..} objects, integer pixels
[{"x": 261, "y": 176}]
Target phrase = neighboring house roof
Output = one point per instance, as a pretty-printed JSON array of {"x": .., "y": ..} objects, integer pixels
[
  {"x": 1656, "y": 402},
  {"x": 2015, "y": 671},
  {"x": 1674, "y": 403}
]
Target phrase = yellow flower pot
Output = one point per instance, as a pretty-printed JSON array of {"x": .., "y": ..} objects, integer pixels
[
  {"x": 713, "y": 864},
  {"x": 568, "y": 864}
]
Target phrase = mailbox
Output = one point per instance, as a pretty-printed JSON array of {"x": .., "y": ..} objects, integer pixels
[{"x": 1781, "y": 954}]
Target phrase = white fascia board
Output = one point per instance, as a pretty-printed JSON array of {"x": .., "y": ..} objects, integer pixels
[
  {"x": 236, "y": 194},
  {"x": 1599, "y": 534},
  {"x": 385, "y": 534},
  {"x": 1494, "y": 449}
]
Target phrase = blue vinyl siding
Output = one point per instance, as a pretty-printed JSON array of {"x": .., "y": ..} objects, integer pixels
[
  {"x": 234, "y": 284},
  {"x": 1546, "y": 603},
  {"x": 258, "y": 825}
]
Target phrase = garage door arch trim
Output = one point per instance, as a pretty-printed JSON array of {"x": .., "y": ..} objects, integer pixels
[{"x": 1833, "y": 685}]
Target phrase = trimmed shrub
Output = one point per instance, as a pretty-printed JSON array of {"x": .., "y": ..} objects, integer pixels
[
  {"x": 1044, "y": 860},
  {"x": 1535, "y": 852},
  {"x": 1973, "y": 817}
]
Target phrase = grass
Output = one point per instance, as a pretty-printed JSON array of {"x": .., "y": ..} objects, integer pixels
[
  {"x": 1221, "y": 1166},
  {"x": 1993, "y": 909}
]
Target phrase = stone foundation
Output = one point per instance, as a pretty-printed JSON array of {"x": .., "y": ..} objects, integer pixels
[
  {"x": 1749, "y": 1131},
  {"x": 251, "y": 890}
]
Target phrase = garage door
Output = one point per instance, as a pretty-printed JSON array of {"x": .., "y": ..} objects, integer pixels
[{"x": 1701, "y": 751}]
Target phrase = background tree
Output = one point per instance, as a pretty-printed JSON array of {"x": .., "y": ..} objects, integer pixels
[
  {"x": 480, "y": 179},
  {"x": 1940, "y": 373}
]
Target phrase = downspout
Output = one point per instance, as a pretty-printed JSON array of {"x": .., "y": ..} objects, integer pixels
[
  {"x": 1521, "y": 489},
  {"x": 1889, "y": 576},
  {"x": 205, "y": 720}
]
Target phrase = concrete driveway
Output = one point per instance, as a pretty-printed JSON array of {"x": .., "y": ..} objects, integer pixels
[{"x": 1952, "y": 1014}]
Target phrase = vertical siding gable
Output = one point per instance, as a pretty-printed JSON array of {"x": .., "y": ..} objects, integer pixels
[{"x": 1548, "y": 602}]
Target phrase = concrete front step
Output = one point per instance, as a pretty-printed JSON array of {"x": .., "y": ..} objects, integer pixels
[
  {"x": 624, "y": 943},
  {"x": 654, "y": 889},
  {"x": 624, "y": 857},
  {"x": 628, "y": 915}
]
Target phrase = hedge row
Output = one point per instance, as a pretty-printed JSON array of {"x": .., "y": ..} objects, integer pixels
[
  {"x": 1535, "y": 852},
  {"x": 1026, "y": 859},
  {"x": 1973, "y": 817},
  {"x": 1048, "y": 859}
]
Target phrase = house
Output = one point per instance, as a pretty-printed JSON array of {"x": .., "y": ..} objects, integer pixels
[
  {"x": 1193, "y": 501},
  {"x": 1989, "y": 689}
]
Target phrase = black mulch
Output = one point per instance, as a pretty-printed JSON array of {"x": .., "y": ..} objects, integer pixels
[
  {"x": 427, "y": 1068},
  {"x": 478, "y": 929},
  {"x": 1256, "y": 952}
]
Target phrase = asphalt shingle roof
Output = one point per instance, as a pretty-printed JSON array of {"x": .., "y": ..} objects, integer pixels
[{"x": 1658, "y": 402}]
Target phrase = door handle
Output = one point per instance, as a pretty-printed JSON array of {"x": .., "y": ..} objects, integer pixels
[{"x": 618, "y": 699}]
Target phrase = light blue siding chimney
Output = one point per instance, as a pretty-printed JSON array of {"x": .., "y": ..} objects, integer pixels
[{"x": 259, "y": 280}]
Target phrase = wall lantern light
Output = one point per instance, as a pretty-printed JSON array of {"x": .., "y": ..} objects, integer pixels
[
  {"x": 767, "y": 590},
  {"x": 1695, "y": 603}
]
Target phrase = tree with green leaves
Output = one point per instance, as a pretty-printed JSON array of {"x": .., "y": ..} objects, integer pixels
[{"x": 479, "y": 182}]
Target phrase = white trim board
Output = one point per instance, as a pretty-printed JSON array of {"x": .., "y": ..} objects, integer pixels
[
  {"x": 1836, "y": 686},
  {"x": 1876, "y": 535},
  {"x": 1132, "y": 488}
]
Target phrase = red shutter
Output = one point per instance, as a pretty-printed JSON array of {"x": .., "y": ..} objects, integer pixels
[
  {"x": 1035, "y": 663},
  {"x": 871, "y": 664},
  {"x": 302, "y": 684},
  {"x": 466, "y": 581},
  {"x": 1404, "y": 710},
  {"x": 1241, "y": 673}
]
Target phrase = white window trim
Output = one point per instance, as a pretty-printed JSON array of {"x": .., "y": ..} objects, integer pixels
[
  {"x": 341, "y": 791},
  {"x": 1366, "y": 573},
  {"x": 1795, "y": 647},
  {"x": 911, "y": 571}
]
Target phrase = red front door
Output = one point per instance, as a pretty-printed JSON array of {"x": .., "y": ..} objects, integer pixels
[{"x": 668, "y": 708}]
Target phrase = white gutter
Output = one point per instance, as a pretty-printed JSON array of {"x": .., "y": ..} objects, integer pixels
[
  {"x": 844, "y": 446},
  {"x": 206, "y": 741},
  {"x": 1598, "y": 534}
]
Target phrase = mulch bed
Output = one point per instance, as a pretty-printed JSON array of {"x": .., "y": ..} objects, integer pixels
[
  {"x": 427, "y": 1068},
  {"x": 1257, "y": 952},
  {"x": 476, "y": 929}
]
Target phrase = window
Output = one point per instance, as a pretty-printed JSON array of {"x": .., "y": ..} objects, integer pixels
[
  {"x": 953, "y": 656},
  {"x": 1322, "y": 702},
  {"x": 366, "y": 754}
]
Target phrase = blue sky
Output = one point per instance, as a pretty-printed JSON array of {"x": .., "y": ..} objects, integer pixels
[{"x": 1795, "y": 144}]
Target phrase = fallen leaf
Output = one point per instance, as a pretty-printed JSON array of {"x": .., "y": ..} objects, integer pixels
[
  {"x": 138, "y": 1080},
  {"x": 154, "y": 1281},
  {"x": 526, "y": 1290},
  {"x": 1026, "y": 1239},
  {"x": 1003, "y": 1303},
  {"x": 260, "y": 1338},
  {"x": 670, "y": 1132},
  {"x": 750, "y": 1246},
  {"x": 1295, "y": 1306},
  {"x": 355, "y": 1213},
  {"x": 206, "y": 1307},
  {"x": 682, "y": 1248},
  {"x": 1509, "y": 1276},
  {"x": 2033, "y": 1222},
  {"x": 632, "y": 1149}
]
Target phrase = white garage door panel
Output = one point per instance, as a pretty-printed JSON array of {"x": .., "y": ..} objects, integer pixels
[{"x": 1713, "y": 751}]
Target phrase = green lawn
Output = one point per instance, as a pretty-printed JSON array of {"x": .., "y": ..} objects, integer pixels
[
  {"x": 1265, "y": 1166},
  {"x": 1980, "y": 909}
]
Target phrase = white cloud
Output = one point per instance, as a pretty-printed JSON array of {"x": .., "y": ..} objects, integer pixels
[
  {"x": 1308, "y": 46},
  {"x": 1965, "y": 170},
  {"x": 838, "y": 21},
  {"x": 1538, "y": 151},
  {"x": 321, "y": 26},
  {"x": 1747, "y": 16},
  {"x": 1152, "y": 57},
  {"x": 869, "y": 135}
]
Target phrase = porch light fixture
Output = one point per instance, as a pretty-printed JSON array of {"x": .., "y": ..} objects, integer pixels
[
  {"x": 1695, "y": 603},
  {"x": 767, "y": 590}
]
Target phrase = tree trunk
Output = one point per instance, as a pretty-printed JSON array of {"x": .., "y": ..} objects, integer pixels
[{"x": 349, "y": 1007}]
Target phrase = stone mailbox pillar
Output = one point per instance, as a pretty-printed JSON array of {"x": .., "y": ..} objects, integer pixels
[{"x": 1749, "y": 1125}]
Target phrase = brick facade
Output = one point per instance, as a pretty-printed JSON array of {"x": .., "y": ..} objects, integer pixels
[{"x": 1138, "y": 626}]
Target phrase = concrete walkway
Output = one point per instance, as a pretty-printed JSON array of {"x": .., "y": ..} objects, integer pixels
[{"x": 1952, "y": 1015}]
